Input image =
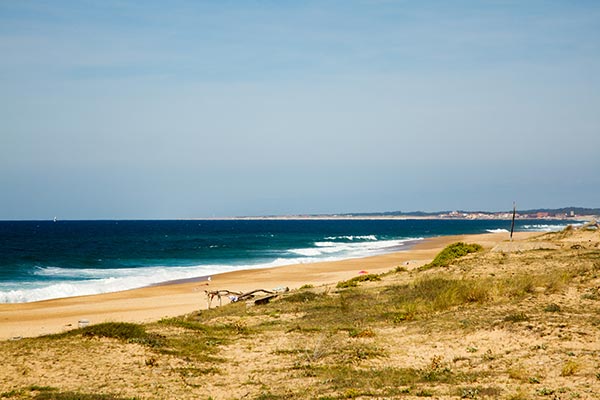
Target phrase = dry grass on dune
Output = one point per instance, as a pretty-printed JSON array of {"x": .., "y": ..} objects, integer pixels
[{"x": 491, "y": 324}]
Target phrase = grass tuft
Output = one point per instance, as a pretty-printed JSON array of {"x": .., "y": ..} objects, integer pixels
[
  {"x": 552, "y": 307},
  {"x": 569, "y": 369},
  {"x": 451, "y": 253},
  {"x": 354, "y": 281},
  {"x": 115, "y": 330},
  {"x": 363, "y": 333},
  {"x": 306, "y": 286},
  {"x": 437, "y": 293},
  {"x": 516, "y": 317},
  {"x": 125, "y": 331},
  {"x": 301, "y": 297}
]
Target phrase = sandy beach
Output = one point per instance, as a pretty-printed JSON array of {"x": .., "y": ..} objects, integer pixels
[{"x": 156, "y": 302}]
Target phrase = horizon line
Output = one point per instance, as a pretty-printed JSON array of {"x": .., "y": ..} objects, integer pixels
[{"x": 345, "y": 215}]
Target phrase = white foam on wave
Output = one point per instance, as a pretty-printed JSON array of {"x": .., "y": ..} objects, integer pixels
[
  {"x": 499, "y": 230},
  {"x": 350, "y": 250},
  {"x": 547, "y": 227},
  {"x": 69, "y": 282},
  {"x": 310, "y": 252},
  {"x": 352, "y": 237},
  {"x": 84, "y": 273}
]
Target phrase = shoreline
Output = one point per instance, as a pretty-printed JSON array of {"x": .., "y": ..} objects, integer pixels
[
  {"x": 401, "y": 245},
  {"x": 405, "y": 246},
  {"x": 173, "y": 298}
]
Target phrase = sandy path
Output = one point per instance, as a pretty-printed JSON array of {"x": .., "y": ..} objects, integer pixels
[{"x": 152, "y": 303}]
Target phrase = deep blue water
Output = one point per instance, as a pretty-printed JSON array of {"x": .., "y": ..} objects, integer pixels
[{"x": 45, "y": 259}]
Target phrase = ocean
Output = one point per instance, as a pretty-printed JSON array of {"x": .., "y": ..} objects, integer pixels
[{"x": 42, "y": 260}]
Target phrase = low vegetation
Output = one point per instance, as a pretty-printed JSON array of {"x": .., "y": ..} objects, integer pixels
[
  {"x": 49, "y": 393},
  {"x": 451, "y": 253},
  {"x": 125, "y": 331},
  {"x": 356, "y": 280}
]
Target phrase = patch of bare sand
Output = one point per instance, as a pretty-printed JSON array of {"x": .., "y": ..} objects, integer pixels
[{"x": 91, "y": 366}]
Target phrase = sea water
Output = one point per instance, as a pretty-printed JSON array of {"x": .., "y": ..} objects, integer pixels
[{"x": 42, "y": 260}]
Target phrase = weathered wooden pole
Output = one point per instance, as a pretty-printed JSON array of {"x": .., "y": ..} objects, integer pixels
[{"x": 512, "y": 225}]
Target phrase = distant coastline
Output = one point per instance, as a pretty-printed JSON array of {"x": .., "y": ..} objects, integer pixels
[
  {"x": 562, "y": 214},
  {"x": 566, "y": 213}
]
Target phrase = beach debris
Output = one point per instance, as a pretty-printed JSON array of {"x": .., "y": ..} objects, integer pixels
[
  {"x": 265, "y": 299},
  {"x": 234, "y": 296},
  {"x": 219, "y": 294},
  {"x": 363, "y": 272},
  {"x": 82, "y": 323},
  {"x": 251, "y": 294}
]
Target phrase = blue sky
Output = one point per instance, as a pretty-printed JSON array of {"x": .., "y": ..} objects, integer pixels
[{"x": 120, "y": 109}]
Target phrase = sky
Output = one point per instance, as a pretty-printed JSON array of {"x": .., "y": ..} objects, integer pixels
[{"x": 192, "y": 109}]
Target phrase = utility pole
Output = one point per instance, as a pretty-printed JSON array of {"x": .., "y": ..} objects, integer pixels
[{"x": 512, "y": 225}]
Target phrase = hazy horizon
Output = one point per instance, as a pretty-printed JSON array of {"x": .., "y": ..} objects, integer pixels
[
  {"x": 375, "y": 213},
  {"x": 121, "y": 109}
]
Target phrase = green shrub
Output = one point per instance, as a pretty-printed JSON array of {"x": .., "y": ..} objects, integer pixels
[
  {"x": 346, "y": 284},
  {"x": 306, "y": 286},
  {"x": 116, "y": 330},
  {"x": 301, "y": 297},
  {"x": 354, "y": 281},
  {"x": 126, "y": 331},
  {"x": 451, "y": 253}
]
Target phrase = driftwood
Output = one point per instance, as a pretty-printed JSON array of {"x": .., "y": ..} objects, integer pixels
[
  {"x": 211, "y": 294},
  {"x": 238, "y": 296},
  {"x": 250, "y": 295},
  {"x": 265, "y": 299}
]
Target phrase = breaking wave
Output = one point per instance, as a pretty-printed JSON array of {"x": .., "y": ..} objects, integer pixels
[
  {"x": 547, "y": 227},
  {"x": 68, "y": 282},
  {"x": 61, "y": 282},
  {"x": 352, "y": 237},
  {"x": 351, "y": 250}
]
